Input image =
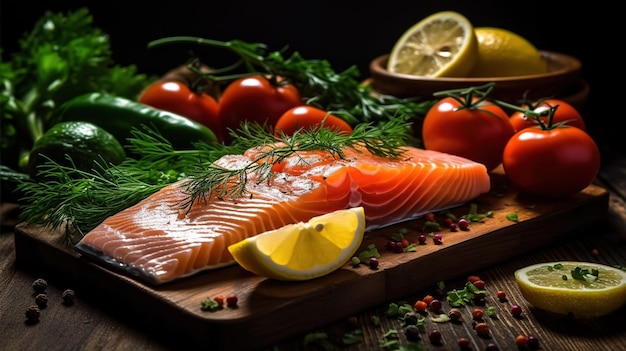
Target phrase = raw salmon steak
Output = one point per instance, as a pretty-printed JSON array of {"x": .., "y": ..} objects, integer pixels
[{"x": 160, "y": 239}]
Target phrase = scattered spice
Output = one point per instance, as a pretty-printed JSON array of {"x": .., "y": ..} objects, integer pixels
[
  {"x": 482, "y": 329},
  {"x": 373, "y": 263},
  {"x": 438, "y": 239},
  {"x": 232, "y": 300},
  {"x": 521, "y": 341},
  {"x": 501, "y": 295},
  {"x": 455, "y": 314},
  {"x": 516, "y": 311},
  {"x": 40, "y": 285},
  {"x": 33, "y": 313},
  {"x": 434, "y": 336},
  {"x": 41, "y": 300},
  {"x": 68, "y": 297},
  {"x": 533, "y": 342},
  {"x": 412, "y": 332}
]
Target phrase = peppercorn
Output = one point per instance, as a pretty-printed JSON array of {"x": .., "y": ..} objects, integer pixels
[
  {"x": 482, "y": 329},
  {"x": 501, "y": 295},
  {"x": 421, "y": 239},
  {"x": 68, "y": 296},
  {"x": 435, "y": 305},
  {"x": 464, "y": 343},
  {"x": 40, "y": 285},
  {"x": 479, "y": 284},
  {"x": 438, "y": 239},
  {"x": 463, "y": 224},
  {"x": 533, "y": 342},
  {"x": 411, "y": 318},
  {"x": 373, "y": 263},
  {"x": 516, "y": 311},
  {"x": 33, "y": 313},
  {"x": 232, "y": 300},
  {"x": 41, "y": 300},
  {"x": 521, "y": 341},
  {"x": 434, "y": 336},
  {"x": 454, "y": 314},
  {"x": 412, "y": 332},
  {"x": 477, "y": 314},
  {"x": 491, "y": 347}
]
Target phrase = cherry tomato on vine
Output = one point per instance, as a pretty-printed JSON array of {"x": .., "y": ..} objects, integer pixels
[
  {"x": 177, "y": 97},
  {"x": 307, "y": 118},
  {"x": 476, "y": 130},
  {"x": 564, "y": 112},
  {"x": 551, "y": 163},
  {"x": 256, "y": 99}
]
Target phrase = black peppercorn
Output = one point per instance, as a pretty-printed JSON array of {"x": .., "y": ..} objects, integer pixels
[
  {"x": 41, "y": 300},
  {"x": 33, "y": 313},
  {"x": 412, "y": 332},
  {"x": 68, "y": 296},
  {"x": 40, "y": 285}
]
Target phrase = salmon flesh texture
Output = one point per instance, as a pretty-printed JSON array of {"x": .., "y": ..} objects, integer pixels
[{"x": 159, "y": 240}]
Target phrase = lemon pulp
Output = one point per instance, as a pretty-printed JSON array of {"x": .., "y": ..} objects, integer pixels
[
  {"x": 502, "y": 53},
  {"x": 440, "y": 45},
  {"x": 304, "y": 250},
  {"x": 552, "y": 287}
]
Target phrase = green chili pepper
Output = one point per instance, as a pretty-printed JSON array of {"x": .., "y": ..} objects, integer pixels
[{"x": 119, "y": 115}]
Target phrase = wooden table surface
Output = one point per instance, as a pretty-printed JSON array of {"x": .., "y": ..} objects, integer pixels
[{"x": 98, "y": 325}]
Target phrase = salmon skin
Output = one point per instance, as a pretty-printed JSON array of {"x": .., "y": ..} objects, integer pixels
[{"x": 160, "y": 240}]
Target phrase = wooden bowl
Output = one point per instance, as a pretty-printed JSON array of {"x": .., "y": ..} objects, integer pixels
[{"x": 561, "y": 81}]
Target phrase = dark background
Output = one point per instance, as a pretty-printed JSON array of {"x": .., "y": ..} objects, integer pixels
[{"x": 344, "y": 34}]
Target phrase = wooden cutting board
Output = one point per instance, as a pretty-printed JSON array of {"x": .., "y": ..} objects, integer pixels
[{"x": 270, "y": 311}]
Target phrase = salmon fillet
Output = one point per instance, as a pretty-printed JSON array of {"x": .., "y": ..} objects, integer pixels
[{"x": 160, "y": 240}]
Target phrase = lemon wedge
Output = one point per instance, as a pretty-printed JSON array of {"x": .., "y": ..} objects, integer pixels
[
  {"x": 581, "y": 289},
  {"x": 441, "y": 45},
  {"x": 502, "y": 53},
  {"x": 304, "y": 250}
]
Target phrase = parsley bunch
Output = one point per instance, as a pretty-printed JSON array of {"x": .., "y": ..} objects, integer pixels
[{"x": 63, "y": 56}]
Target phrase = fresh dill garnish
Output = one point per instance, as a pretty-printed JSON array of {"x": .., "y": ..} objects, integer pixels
[
  {"x": 384, "y": 141},
  {"x": 80, "y": 199}
]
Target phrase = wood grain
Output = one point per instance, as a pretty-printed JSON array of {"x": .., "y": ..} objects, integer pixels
[{"x": 270, "y": 310}]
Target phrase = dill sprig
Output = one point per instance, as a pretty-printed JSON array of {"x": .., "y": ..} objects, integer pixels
[
  {"x": 82, "y": 199},
  {"x": 384, "y": 141}
]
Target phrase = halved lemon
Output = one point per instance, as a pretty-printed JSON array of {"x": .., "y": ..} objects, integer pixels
[
  {"x": 581, "y": 289},
  {"x": 441, "y": 45},
  {"x": 502, "y": 53},
  {"x": 304, "y": 250}
]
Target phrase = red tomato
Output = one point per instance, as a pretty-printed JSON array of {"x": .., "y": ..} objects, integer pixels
[
  {"x": 256, "y": 99},
  {"x": 476, "y": 131},
  {"x": 177, "y": 97},
  {"x": 308, "y": 117},
  {"x": 551, "y": 163},
  {"x": 564, "y": 112}
]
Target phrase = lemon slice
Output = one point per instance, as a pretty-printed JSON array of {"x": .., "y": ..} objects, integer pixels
[
  {"x": 502, "y": 53},
  {"x": 441, "y": 45},
  {"x": 553, "y": 287},
  {"x": 304, "y": 250}
]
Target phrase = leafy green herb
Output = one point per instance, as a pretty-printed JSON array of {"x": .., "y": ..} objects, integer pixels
[
  {"x": 52, "y": 65},
  {"x": 513, "y": 217},
  {"x": 209, "y": 305},
  {"x": 384, "y": 141},
  {"x": 319, "y": 339},
  {"x": 353, "y": 338},
  {"x": 83, "y": 199},
  {"x": 460, "y": 297},
  {"x": 585, "y": 274}
]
